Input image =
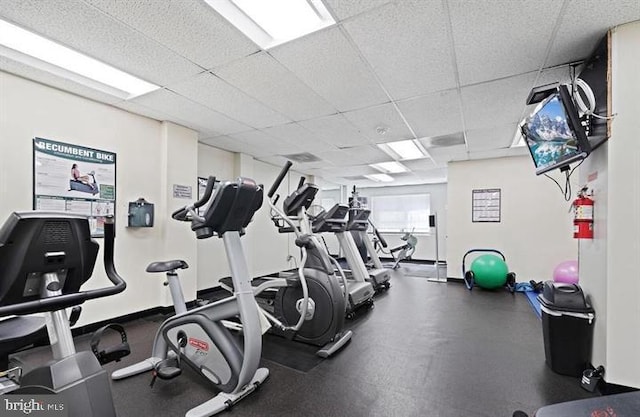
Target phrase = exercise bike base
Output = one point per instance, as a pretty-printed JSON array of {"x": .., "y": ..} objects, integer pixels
[
  {"x": 135, "y": 369},
  {"x": 224, "y": 401},
  {"x": 331, "y": 348}
]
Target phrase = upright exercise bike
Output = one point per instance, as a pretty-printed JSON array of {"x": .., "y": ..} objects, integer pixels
[
  {"x": 198, "y": 337},
  {"x": 45, "y": 258}
]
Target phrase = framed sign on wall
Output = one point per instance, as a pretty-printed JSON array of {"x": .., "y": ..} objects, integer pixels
[
  {"x": 485, "y": 205},
  {"x": 74, "y": 179}
]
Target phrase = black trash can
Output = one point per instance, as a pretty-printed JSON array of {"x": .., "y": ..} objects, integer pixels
[{"x": 567, "y": 326}]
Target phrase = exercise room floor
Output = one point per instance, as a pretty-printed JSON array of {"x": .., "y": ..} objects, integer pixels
[{"x": 426, "y": 349}]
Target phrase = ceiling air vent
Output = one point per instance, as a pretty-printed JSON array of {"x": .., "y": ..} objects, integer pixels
[
  {"x": 444, "y": 140},
  {"x": 302, "y": 157}
]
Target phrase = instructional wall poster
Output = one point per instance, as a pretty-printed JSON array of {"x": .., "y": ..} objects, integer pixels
[
  {"x": 74, "y": 179},
  {"x": 486, "y": 205}
]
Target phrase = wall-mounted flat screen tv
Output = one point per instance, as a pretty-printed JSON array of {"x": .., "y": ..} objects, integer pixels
[{"x": 553, "y": 133}]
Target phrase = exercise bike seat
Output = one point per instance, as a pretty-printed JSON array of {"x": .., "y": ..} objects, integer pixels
[
  {"x": 166, "y": 266},
  {"x": 19, "y": 332}
]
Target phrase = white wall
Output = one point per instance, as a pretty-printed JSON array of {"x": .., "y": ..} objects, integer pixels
[
  {"x": 28, "y": 109},
  {"x": 179, "y": 149},
  {"x": 624, "y": 206},
  {"x": 535, "y": 232},
  {"x": 610, "y": 263}
]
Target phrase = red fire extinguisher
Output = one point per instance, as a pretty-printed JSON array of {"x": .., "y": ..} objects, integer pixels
[{"x": 583, "y": 216}]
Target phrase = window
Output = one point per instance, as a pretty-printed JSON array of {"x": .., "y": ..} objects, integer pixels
[{"x": 398, "y": 213}]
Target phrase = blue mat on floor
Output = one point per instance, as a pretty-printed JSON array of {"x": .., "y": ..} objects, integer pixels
[{"x": 532, "y": 296}]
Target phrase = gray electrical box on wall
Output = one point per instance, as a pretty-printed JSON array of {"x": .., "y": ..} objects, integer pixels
[{"x": 140, "y": 213}]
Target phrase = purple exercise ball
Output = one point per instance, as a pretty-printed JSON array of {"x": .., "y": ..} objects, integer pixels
[{"x": 566, "y": 272}]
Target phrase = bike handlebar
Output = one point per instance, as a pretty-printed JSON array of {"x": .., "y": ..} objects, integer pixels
[
  {"x": 181, "y": 213},
  {"x": 69, "y": 300}
]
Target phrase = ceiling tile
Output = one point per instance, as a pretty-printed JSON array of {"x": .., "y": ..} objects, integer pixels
[
  {"x": 189, "y": 28},
  {"x": 184, "y": 109},
  {"x": 227, "y": 143},
  {"x": 444, "y": 155},
  {"x": 44, "y": 77},
  {"x": 436, "y": 175},
  {"x": 345, "y": 9},
  {"x": 496, "y": 137},
  {"x": 264, "y": 78},
  {"x": 136, "y": 108},
  {"x": 368, "y": 154},
  {"x": 276, "y": 160},
  {"x": 552, "y": 75},
  {"x": 584, "y": 24},
  {"x": 290, "y": 132},
  {"x": 265, "y": 145},
  {"x": 501, "y": 38},
  {"x": 496, "y": 103},
  {"x": 369, "y": 119},
  {"x": 216, "y": 94},
  {"x": 347, "y": 171},
  {"x": 419, "y": 165},
  {"x": 335, "y": 130},
  {"x": 295, "y": 134},
  {"x": 86, "y": 29},
  {"x": 408, "y": 46},
  {"x": 329, "y": 65},
  {"x": 435, "y": 114}
]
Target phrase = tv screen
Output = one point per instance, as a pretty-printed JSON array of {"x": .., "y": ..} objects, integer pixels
[{"x": 553, "y": 133}]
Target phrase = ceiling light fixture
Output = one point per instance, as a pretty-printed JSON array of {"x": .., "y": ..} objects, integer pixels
[
  {"x": 404, "y": 149},
  {"x": 380, "y": 177},
  {"x": 272, "y": 23},
  {"x": 392, "y": 167},
  {"x": 36, "y": 51}
]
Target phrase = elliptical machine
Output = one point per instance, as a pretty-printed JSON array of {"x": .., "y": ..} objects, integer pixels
[
  {"x": 45, "y": 258},
  {"x": 352, "y": 230},
  {"x": 308, "y": 305},
  {"x": 198, "y": 337},
  {"x": 357, "y": 293}
]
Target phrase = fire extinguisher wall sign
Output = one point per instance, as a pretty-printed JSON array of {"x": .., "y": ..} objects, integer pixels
[{"x": 583, "y": 216}]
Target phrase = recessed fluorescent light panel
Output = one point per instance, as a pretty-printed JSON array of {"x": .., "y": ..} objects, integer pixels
[
  {"x": 28, "y": 48},
  {"x": 272, "y": 23},
  {"x": 390, "y": 167},
  {"x": 380, "y": 177},
  {"x": 404, "y": 149}
]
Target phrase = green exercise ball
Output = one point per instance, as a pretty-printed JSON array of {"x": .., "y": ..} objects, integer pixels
[{"x": 489, "y": 271}]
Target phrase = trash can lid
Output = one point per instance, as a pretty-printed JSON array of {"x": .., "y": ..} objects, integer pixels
[{"x": 565, "y": 297}]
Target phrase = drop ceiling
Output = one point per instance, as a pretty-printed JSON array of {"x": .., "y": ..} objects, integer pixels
[{"x": 453, "y": 74}]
